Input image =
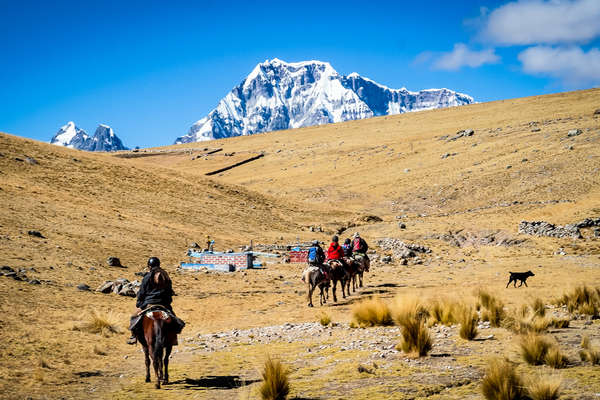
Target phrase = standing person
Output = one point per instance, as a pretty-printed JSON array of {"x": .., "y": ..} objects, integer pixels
[{"x": 209, "y": 243}]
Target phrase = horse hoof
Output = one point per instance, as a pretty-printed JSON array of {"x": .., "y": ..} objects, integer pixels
[
  {"x": 157, "y": 386},
  {"x": 147, "y": 379}
]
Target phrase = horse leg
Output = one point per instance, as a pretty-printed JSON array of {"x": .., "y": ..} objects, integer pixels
[
  {"x": 168, "y": 349},
  {"x": 360, "y": 279},
  {"x": 147, "y": 359},
  {"x": 158, "y": 352},
  {"x": 333, "y": 289},
  {"x": 310, "y": 292}
]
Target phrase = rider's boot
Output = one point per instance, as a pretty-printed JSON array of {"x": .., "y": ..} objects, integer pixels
[{"x": 132, "y": 339}]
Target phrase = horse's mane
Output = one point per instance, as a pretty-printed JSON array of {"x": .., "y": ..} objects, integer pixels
[{"x": 160, "y": 278}]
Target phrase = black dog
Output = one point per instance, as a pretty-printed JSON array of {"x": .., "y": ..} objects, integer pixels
[{"x": 521, "y": 276}]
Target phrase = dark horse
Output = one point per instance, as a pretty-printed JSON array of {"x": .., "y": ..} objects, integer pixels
[
  {"x": 159, "y": 335},
  {"x": 351, "y": 271},
  {"x": 363, "y": 266},
  {"x": 338, "y": 273}
]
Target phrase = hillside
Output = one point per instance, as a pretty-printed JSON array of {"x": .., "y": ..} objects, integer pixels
[{"x": 450, "y": 192}]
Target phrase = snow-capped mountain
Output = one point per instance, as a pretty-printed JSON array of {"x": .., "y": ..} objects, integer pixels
[
  {"x": 279, "y": 95},
  {"x": 104, "y": 138}
]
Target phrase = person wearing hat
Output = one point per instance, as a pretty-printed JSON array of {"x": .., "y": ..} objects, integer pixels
[
  {"x": 316, "y": 257},
  {"x": 347, "y": 246},
  {"x": 359, "y": 245},
  {"x": 335, "y": 251}
]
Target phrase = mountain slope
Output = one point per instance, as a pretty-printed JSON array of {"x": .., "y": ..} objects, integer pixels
[
  {"x": 279, "y": 95},
  {"x": 104, "y": 138}
]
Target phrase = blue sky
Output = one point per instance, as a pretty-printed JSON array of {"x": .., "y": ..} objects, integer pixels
[{"x": 152, "y": 68}]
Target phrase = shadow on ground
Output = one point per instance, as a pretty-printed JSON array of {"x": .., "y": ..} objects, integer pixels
[{"x": 214, "y": 382}]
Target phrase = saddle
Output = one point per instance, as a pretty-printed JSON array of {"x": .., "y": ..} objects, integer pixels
[{"x": 157, "y": 312}]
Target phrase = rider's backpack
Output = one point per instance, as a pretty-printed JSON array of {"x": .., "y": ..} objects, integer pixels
[{"x": 313, "y": 255}]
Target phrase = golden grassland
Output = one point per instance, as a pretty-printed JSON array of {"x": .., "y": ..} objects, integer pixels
[{"x": 92, "y": 206}]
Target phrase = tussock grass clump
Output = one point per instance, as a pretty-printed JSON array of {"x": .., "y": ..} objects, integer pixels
[
  {"x": 410, "y": 315},
  {"x": 501, "y": 381},
  {"x": 372, "y": 312},
  {"x": 583, "y": 300},
  {"x": 538, "y": 307},
  {"x": 543, "y": 387},
  {"x": 324, "y": 319},
  {"x": 555, "y": 359},
  {"x": 97, "y": 322},
  {"x": 588, "y": 353},
  {"x": 468, "y": 323},
  {"x": 560, "y": 323},
  {"x": 539, "y": 324},
  {"x": 494, "y": 308},
  {"x": 275, "y": 384},
  {"x": 442, "y": 312},
  {"x": 524, "y": 320},
  {"x": 534, "y": 348}
]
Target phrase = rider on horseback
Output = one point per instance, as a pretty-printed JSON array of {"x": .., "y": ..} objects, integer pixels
[
  {"x": 347, "y": 246},
  {"x": 335, "y": 251},
  {"x": 359, "y": 247},
  {"x": 152, "y": 294},
  {"x": 316, "y": 257}
]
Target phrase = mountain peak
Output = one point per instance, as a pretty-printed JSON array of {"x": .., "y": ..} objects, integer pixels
[
  {"x": 281, "y": 95},
  {"x": 71, "y": 136}
]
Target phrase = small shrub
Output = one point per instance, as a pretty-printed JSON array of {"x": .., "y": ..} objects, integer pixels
[
  {"x": 324, "y": 319},
  {"x": 104, "y": 324},
  {"x": 372, "y": 312},
  {"x": 560, "y": 323},
  {"x": 442, "y": 312},
  {"x": 588, "y": 353},
  {"x": 411, "y": 315},
  {"x": 495, "y": 308},
  {"x": 538, "y": 307},
  {"x": 543, "y": 388},
  {"x": 275, "y": 384},
  {"x": 582, "y": 300},
  {"x": 534, "y": 348},
  {"x": 501, "y": 381},
  {"x": 555, "y": 359},
  {"x": 538, "y": 324},
  {"x": 468, "y": 323}
]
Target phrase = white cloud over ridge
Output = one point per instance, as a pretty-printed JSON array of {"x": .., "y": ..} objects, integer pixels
[
  {"x": 462, "y": 56},
  {"x": 527, "y": 22},
  {"x": 574, "y": 67}
]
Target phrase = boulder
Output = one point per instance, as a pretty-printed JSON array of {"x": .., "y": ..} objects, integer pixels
[
  {"x": 37, "y": 234},
  {"x": 127, "y": 291},
  {"x": 574, "y": 132},
  {"x": 106, "y": 287},
  {"x": 83, "y": 287},
  {"x": 113, "y": 262}
]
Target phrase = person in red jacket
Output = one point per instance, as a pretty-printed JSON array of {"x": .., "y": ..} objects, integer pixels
[{"x": 335, "y": 251}]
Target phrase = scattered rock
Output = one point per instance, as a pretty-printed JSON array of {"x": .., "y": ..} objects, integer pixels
[
  {"x": 543, "y": 228},
  {"x": 83, "y": 286},
  {"x": 37, "y": 234},
  {"x": 535, "y": 130},
  {"x": 31, "y": 160},
  {"x": 362, "y": 368},
  {"x": 120, "y": 286},
  {"x": 597, "y": 112},
  {"x": 574, "y": 132},
  {"x": 6, "y": 268},
  {"x": 113, "y": 262},
  {"x": 386, "y": 259},
  {"x": 106, "y": 287},
  {"x": 400, "y": 249},
  {"x": 460, "y": 134},
  {"x": 194, "y": 245},
  {"x": 34, "y": 282},
  {"x": 402, "y": 225},
  {"x": 461, "y": 238}
]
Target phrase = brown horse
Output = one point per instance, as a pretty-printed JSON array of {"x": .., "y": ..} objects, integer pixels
[
  {"x": 338, "y": 273},
  {"x": 158, "y": 334},
  {"x": 314, "y": 277},
  {"x": 351, "y": 270},
  {"x": 363, "y": 266}
]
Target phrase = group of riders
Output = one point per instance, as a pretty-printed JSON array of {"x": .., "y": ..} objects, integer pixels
[
  {"x": 155, "y": 293},
  {"x": 352, "y": 249}
]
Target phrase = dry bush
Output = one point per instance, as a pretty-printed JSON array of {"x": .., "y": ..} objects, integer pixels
[
  {"x": 524, "y": 320},
  {"x": 275, "y": 384},
  {"x": 555, "y": 359},
  {"x": 372, "y": 312},
  {"x": 468, "y": 323},
  {"x": 410, "y": 315},
  {"x": 560, "y": 322},
  {"x": 102, "y": 323},
  {"x": 495, "y": 308},
  {"x": 538, "y": 307},
  {"x": 534, "y": 348},
  {"x": 538, "y": 324},
  {"x": 501, "y": 381},
  {"x": 543, "y": 387},
  {"x": 442, "y": 312},
  {"x": 588, "y": 353},
  {"x": 324, "y": 319},
  {"x": 582, "y": 300}
]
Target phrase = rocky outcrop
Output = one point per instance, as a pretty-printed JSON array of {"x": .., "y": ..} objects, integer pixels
[
  {"x": 121, "y": 286},
  {"x": 543, "y": 228}
]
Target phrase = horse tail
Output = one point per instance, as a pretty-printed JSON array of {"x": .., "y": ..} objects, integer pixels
[{"x": 159, "y": 343}]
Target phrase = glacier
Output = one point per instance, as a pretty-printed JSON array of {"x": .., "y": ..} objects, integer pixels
[{"x": 280, "y": 95}]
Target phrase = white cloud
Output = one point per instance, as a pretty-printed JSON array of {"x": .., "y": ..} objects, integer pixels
[
  {"x": 543, "y": 22},
  {"x": 461, "y": 56},
  {"x": 574, "y": 67}
]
